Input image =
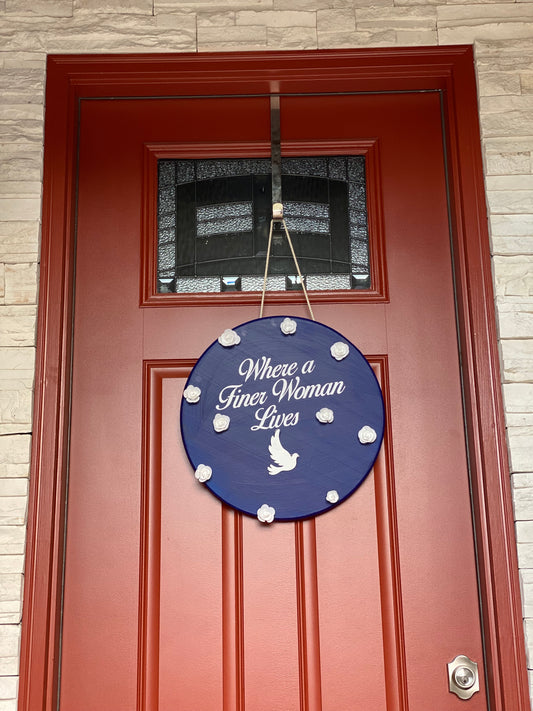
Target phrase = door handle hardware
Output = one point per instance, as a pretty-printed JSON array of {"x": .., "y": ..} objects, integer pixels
[{"x": 463, "y": 677}]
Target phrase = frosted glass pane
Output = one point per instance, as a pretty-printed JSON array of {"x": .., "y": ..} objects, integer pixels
[
  {"x": 255, "y": 283},
  {"x": 326, "y": 282},
  {"x": 220, "y": 219},
  {"x": 192, "y": 285},
  {"x": 229, "y": 167}
]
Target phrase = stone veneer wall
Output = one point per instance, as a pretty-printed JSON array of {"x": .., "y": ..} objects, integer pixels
[{"x": 502, "y": 33}]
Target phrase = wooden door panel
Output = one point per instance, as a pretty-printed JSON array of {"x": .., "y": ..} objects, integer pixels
[
  {"x": 272, "y": 580},
  {"x": 350, "y": 604},
  {"x": 171, "y": 599},
  {"x": 270, "y": 634},
  {"x": 164, "y": 328},
  {"x": 99, "y": 643},
  {"x": 199, "y": 577},
  {"x": 190, "y": 584}
]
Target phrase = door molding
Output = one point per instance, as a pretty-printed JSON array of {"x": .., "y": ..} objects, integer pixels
[{"x": 449, "y": 69}]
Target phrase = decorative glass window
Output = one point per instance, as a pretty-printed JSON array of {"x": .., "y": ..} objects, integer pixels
[{"x": 214, "y": 219}]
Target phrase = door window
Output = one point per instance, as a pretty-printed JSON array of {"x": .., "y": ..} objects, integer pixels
[{"x": 213, "y": 220}]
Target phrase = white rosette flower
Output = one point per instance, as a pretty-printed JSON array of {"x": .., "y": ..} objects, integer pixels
[
  {"x": 288, "y": 326},
  {"x": 332, "y": 496},
  {"x": 325, "y": 415},
  {"x": 229, "y": 338},
  {"x": 339, "y": 350},
  {"x": 367, "y": 435},
  {"x": 221, "y": 422},
  {"x": 203, "y": 473},
  {"x": 192, "y": 394},
  {"x": 266, "y": 513}
]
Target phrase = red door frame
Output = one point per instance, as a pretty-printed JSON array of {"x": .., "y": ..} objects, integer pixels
[{"x": 449, "y": 69}]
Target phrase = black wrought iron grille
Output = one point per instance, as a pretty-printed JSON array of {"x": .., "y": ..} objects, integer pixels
[{"x": 214, "y": 218}]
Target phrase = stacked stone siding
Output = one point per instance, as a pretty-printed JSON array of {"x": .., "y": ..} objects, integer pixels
[{"x": 502, "y": 34}]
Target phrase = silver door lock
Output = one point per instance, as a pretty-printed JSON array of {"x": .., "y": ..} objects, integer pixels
[{"x": 463, "y": 677}]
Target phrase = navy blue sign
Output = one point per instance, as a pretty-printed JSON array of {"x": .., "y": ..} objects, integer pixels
[{"x": 282, "y": 418}]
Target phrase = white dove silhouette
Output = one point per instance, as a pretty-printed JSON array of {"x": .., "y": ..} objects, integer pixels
[{"x": 281, "y": 456}]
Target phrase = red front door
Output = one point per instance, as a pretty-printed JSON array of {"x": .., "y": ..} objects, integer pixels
[{"x": 171, "y": 600}]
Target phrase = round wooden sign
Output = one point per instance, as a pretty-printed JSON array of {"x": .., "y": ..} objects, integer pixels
[{"x": 282, "y": 418}]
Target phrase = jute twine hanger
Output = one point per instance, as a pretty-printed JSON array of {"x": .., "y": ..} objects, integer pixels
[{"x": 277, "y": 204}]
